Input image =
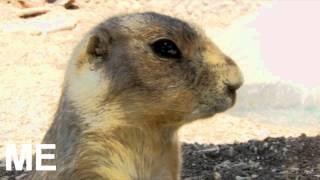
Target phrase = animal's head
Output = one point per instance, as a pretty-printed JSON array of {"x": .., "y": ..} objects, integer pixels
[{"x": 151, "y": 67}]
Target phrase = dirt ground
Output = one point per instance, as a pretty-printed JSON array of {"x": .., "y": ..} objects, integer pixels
[{"x": 33, "y": 58}]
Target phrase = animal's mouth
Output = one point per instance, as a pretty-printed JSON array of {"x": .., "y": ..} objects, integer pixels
[
  {"x": 233, "y": 95},
  {"x": 225, "y": 104},
  {"x": 206, "y": 110}
]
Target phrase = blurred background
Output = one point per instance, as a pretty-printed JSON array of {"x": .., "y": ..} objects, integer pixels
[{"x": 275, "y": 43}]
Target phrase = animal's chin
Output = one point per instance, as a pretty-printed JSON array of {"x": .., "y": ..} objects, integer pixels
[
  {"x": 207, "y": 110},
  {"x": 226, "y": 103}
]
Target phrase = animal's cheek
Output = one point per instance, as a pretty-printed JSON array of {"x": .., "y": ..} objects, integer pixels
[
  {"x": 160, "y": 79},
  {"x": 180, "y": 100}
]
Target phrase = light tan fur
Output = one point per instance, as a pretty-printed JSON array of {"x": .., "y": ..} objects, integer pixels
[{"x": 122, "y": 104}]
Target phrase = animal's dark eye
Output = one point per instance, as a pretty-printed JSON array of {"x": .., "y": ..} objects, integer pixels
[{"x": 165, "y": 48}]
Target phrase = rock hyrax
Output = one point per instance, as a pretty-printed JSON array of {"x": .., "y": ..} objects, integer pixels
[{"x": 130, "y": 84}]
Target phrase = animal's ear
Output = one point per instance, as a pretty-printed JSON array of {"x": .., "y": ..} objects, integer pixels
[
  {"x": 99, "y": 44},
  {"x": 97, "y": 48}
]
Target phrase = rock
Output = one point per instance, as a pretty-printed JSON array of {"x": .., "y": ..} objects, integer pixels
[
  {"x": 242, "y": 178},
  {"x": 38, "y": 27},
  {"x": 217, "y": 176},
  {"x": 32, "y": 12},
  {"x": 4, "y": 178},
  {"x": 20, "y": 177}
]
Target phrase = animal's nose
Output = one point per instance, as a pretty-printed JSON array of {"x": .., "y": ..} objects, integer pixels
[
  {"x": 233, "y": 85},
  {"x": 234, "y": 77}
]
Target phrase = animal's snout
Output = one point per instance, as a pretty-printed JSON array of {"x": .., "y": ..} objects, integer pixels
[
  {"x": 233, "y": 85},
  {"x": 234, "y": 77}
]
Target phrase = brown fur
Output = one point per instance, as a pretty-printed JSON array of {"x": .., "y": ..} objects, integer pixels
[{"x": 122, "y": 105}]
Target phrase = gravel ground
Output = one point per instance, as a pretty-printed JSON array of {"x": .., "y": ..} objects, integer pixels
[{"x": 272, "y": 158}]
